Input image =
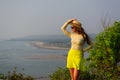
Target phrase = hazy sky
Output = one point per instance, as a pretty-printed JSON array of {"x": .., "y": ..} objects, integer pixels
[{"x": 19, "y": 18}]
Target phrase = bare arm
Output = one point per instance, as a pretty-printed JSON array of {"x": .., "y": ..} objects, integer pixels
[
  {"x": 63, "y": 28},
  {"x": 88, "y": 47}
]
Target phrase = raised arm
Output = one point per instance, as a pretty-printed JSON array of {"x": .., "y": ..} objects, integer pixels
[{"x": 63, "y": 28}]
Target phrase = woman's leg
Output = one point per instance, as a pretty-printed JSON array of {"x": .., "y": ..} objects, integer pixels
[
  {"x": 72, "y": 73},
  {"x": 76, "y": 74}
]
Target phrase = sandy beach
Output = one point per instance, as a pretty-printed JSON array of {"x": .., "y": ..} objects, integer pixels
[{"x": 46, "y": 46}]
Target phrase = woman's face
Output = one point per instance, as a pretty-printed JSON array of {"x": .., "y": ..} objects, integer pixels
[{"x": 73, "y": 28}]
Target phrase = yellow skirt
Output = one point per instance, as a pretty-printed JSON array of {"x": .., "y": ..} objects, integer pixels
[{"x": 75, "y": 60}]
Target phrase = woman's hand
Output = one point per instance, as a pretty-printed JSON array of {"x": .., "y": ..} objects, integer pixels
[{"x": 71, "y": 20}]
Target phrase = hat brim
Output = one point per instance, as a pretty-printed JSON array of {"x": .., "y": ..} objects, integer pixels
[{"x": 75, "y": 25}]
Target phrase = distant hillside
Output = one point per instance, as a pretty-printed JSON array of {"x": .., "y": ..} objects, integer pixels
[
  {"x": 44, "y": 37},
  {"x": 37, "y": 37}
]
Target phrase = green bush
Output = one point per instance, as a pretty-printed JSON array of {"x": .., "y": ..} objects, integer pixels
[
  {"x": 60, "y": 74},
  {"x": 63, "y": 74},
  {"x": 14, "y": 75},
  {"x": 105, "y": 55}
]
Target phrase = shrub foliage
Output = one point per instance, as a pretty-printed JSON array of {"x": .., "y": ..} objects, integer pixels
[
  {"x": 60, "y": 74},
  {"x": 105, "y": 55},
  {"x": 14, "y": 75}
]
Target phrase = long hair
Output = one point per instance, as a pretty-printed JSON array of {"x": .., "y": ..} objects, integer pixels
[{"x": 84, "y": 34}]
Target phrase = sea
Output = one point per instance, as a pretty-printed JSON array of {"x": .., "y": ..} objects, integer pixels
[{"x": 37, "y": 56}]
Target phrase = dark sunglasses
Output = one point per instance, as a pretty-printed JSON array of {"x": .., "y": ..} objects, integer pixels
[{"x": 72, "y": 27}]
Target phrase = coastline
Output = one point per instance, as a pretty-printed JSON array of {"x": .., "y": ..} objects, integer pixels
[
  {"x": 38, "y": 45},
  {"x": 38, "y": 61},
  {"x": 43, "y": 45}
]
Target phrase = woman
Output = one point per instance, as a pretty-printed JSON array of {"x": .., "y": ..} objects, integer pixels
[{"x": 75, "y": 54}]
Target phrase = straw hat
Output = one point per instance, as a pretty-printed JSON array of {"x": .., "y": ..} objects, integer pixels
[{"x": 76, "y": 23}]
